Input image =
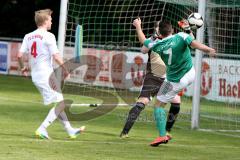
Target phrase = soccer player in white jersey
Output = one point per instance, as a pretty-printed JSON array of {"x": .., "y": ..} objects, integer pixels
[
  {"x": 42, "y": 47},
  {"x": 175, "y": 52}
]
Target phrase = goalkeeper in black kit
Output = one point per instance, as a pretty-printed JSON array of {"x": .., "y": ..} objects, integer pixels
[{"x": 155, "y": 76}]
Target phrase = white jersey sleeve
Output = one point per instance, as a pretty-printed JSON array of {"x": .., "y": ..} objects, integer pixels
[
  {"x": 24, "y": 46},
  {"x": 52, "y": 44}
]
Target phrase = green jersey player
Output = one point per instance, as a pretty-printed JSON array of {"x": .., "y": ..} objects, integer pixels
[
  {"x": 155, "y": 76},
  {"x": 175, "y": 52}
]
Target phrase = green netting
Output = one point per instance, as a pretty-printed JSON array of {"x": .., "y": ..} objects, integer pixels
[{"x": 109, "y": 22}]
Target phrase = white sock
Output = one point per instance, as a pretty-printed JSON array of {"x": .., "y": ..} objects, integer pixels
[
  {"x": 64, "y": 120},
  {"x": 52, "y": 116}
]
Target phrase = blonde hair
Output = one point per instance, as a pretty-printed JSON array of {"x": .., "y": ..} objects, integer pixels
[{"x": 41, "y": 16}]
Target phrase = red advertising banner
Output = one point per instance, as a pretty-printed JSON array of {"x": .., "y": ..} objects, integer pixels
[{"x": 110, "y": 68}]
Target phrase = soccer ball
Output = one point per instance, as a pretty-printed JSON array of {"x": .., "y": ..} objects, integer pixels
[{"x": 195, "y": 20}]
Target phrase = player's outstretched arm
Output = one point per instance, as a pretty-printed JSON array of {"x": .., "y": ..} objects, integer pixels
[
  {"x": 137, "y": 23},
  {"x": 210, "y": 51},
  {"x": 141, "y": 37}
]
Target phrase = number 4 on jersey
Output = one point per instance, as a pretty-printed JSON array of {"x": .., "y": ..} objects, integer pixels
[{"x": 34, "y": 49}]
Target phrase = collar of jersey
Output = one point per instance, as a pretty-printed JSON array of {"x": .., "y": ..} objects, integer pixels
[
  {"x": 41, "y": 29},
  {"x": 167, "y": 38}
]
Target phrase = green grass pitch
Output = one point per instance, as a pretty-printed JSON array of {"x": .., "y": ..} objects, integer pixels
[{"x": 22, "y": 112}]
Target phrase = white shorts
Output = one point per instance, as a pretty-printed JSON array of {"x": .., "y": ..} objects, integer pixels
[
  {"x": 49, "y": 89},
  {"x": 169, "y": 90}
]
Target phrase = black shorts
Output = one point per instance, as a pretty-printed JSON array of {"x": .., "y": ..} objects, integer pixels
[{"x": 151, "y": 86}]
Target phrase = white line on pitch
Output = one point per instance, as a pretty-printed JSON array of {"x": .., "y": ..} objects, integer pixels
[{"x": 74, "y": 104}]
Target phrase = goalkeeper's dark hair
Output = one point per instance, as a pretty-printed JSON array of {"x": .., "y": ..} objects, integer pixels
[{"x": 165, "y": 28}]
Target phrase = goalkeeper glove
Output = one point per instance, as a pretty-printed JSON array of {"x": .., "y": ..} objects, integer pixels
[{"x": 185, "y": 25}]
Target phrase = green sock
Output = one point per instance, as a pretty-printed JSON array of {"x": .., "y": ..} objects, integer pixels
[{"x": 160, "y": 118}]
